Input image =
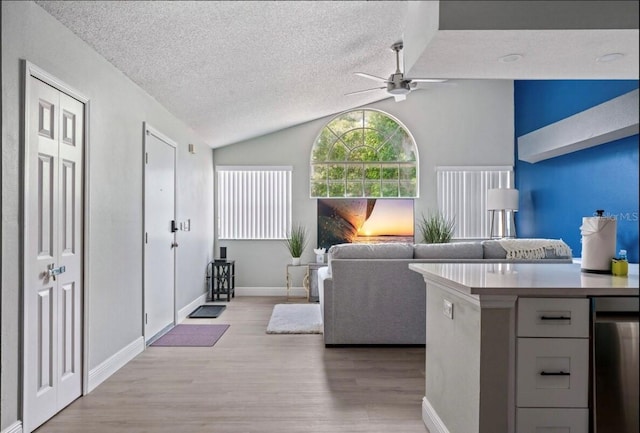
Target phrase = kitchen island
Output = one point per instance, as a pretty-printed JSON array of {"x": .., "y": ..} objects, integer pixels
[{"x": 508, "y": 346}]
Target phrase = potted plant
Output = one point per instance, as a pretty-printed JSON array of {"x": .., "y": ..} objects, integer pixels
[
  {"x": 296, "y": 242},
  {"x": 436, "y": 229}
]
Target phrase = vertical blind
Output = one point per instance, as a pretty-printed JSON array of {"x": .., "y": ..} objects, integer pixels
[
  {"x": 253, "y": 202},
  {"x": 462, "y": 195}
]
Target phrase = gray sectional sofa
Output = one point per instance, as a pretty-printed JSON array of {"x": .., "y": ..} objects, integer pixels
[{"x": 369, "y": 296}]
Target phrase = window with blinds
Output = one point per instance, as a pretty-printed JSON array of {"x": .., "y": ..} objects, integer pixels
[
  {"x": 462, "y": 195},
  {"x": 253, "y": 202}
]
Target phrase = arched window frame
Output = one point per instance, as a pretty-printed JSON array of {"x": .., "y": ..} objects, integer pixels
[{"x": 350, "y": 176}]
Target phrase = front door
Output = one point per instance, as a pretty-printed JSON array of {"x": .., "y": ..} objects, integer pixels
[
  {"x": 53, "y": 248},
  {"x": 159, "y": 223}
]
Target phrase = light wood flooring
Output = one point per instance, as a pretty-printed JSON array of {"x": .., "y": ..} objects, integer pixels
[{"x": 250, "y": 381}]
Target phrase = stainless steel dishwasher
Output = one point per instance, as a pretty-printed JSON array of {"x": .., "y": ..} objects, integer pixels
[{"x": 616, "y": 346}]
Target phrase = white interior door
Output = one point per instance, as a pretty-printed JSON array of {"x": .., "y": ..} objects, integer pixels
[
  {"x": 53, "y": 244},
  {"x": 159, "y": 251}
]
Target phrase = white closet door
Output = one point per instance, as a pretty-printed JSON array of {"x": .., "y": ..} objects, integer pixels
[{"x": 53, "y": 244}]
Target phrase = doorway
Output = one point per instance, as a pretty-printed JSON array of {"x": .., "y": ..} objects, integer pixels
[
  {"x": 53, "y": 241},
  {"x": 159, "y": 233}
]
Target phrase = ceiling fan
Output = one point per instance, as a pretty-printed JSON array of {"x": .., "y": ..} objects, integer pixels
[{"x": 397, "y": 84}]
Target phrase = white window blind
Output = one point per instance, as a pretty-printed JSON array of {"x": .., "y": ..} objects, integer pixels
[
  {"x": 254, "y": 202},
  {"x": 462, "y": 195}
]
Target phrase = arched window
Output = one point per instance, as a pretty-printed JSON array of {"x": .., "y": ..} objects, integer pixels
[{"x": 364, "y": 153}]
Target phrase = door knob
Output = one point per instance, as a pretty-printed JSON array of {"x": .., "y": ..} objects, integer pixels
[{"x": 52, "y": 271}]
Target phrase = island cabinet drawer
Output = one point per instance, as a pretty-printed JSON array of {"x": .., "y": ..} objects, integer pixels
[
  {"x": 549, "y": 317},
  {"x": 552, "y": 421},
  {"x": 552, "y": 372}
]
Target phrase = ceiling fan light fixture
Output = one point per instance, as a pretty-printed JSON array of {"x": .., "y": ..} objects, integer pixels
[
  {"x": 399, "y": 91},
  {"x": 401, "y": 88}
]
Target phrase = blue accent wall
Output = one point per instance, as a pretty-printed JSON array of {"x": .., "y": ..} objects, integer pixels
[{"x": 555, "y": 194}]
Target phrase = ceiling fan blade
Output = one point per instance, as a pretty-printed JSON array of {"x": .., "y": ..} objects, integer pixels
[
  {"x": 399, "y": 98},
  {"x": 364, "y": 91},
  {"x": 426, "y": 80},
  {"x": 371, "y": 77}
]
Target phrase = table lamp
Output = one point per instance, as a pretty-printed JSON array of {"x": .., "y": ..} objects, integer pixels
[{"x": 504, "y": 201}]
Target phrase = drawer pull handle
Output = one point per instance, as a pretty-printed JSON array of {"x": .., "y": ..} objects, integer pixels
[
  {"x": 555, "y": 318},
  {"x": 554, "y": 373}
]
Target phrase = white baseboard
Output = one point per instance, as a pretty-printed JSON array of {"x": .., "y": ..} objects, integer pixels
[
  {"x": 103, "y": 371},
  {"x": 270, "y": 291},
  {"x": 431, "y": 418},
  {"x": 297, "y": 292},
  {"x": 185, "y": 311},
  {"x": 16, "y": 427}
]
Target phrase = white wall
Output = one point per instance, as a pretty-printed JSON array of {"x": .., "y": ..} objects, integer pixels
[
  {"x": 118, "y": 110},
  {"x": 469, "y": 123}
]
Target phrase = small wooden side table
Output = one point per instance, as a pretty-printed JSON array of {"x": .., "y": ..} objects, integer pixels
[
  {"x": 223, "y": 279},
  {"x": 305, "y": 279}
]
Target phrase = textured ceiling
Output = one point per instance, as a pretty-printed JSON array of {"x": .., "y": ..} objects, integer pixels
[{"x": 233, "y": 70}]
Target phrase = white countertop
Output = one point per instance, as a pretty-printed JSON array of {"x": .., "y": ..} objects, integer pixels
[{"x": 527, "y": 279}]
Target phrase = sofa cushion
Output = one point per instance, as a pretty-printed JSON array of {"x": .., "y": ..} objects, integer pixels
[
  {"x": 323, "y": 274},
  {"x": 493, "y": 250},
  {"x": 455, "y": 250},
  {"x": 370, "y": 251}
]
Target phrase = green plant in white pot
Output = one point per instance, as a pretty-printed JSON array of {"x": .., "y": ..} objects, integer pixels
[
  {"x": 435, "y": 228},
  {"x": 296, "y": 242}
]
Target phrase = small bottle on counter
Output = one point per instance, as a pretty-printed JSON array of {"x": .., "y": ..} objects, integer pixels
[{"x": 620, "y": 265}]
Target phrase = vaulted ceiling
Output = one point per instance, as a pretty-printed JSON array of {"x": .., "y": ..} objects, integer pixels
[{"x": 233, "y": 70}]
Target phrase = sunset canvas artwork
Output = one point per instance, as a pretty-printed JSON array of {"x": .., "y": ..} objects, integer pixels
[{"x": 364, "y": 221}]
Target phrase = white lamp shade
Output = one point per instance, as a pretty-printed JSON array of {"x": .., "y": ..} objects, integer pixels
[{"x": 502, "y": 199}]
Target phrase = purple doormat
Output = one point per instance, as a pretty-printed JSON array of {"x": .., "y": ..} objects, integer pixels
[{"x": 191, "y": 336}]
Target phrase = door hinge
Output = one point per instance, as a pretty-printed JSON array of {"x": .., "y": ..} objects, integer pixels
[
  {"x": 146, "y": 237},
  {"x": 146, "y": 318},
  {"x": 146, "y": 157}
]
